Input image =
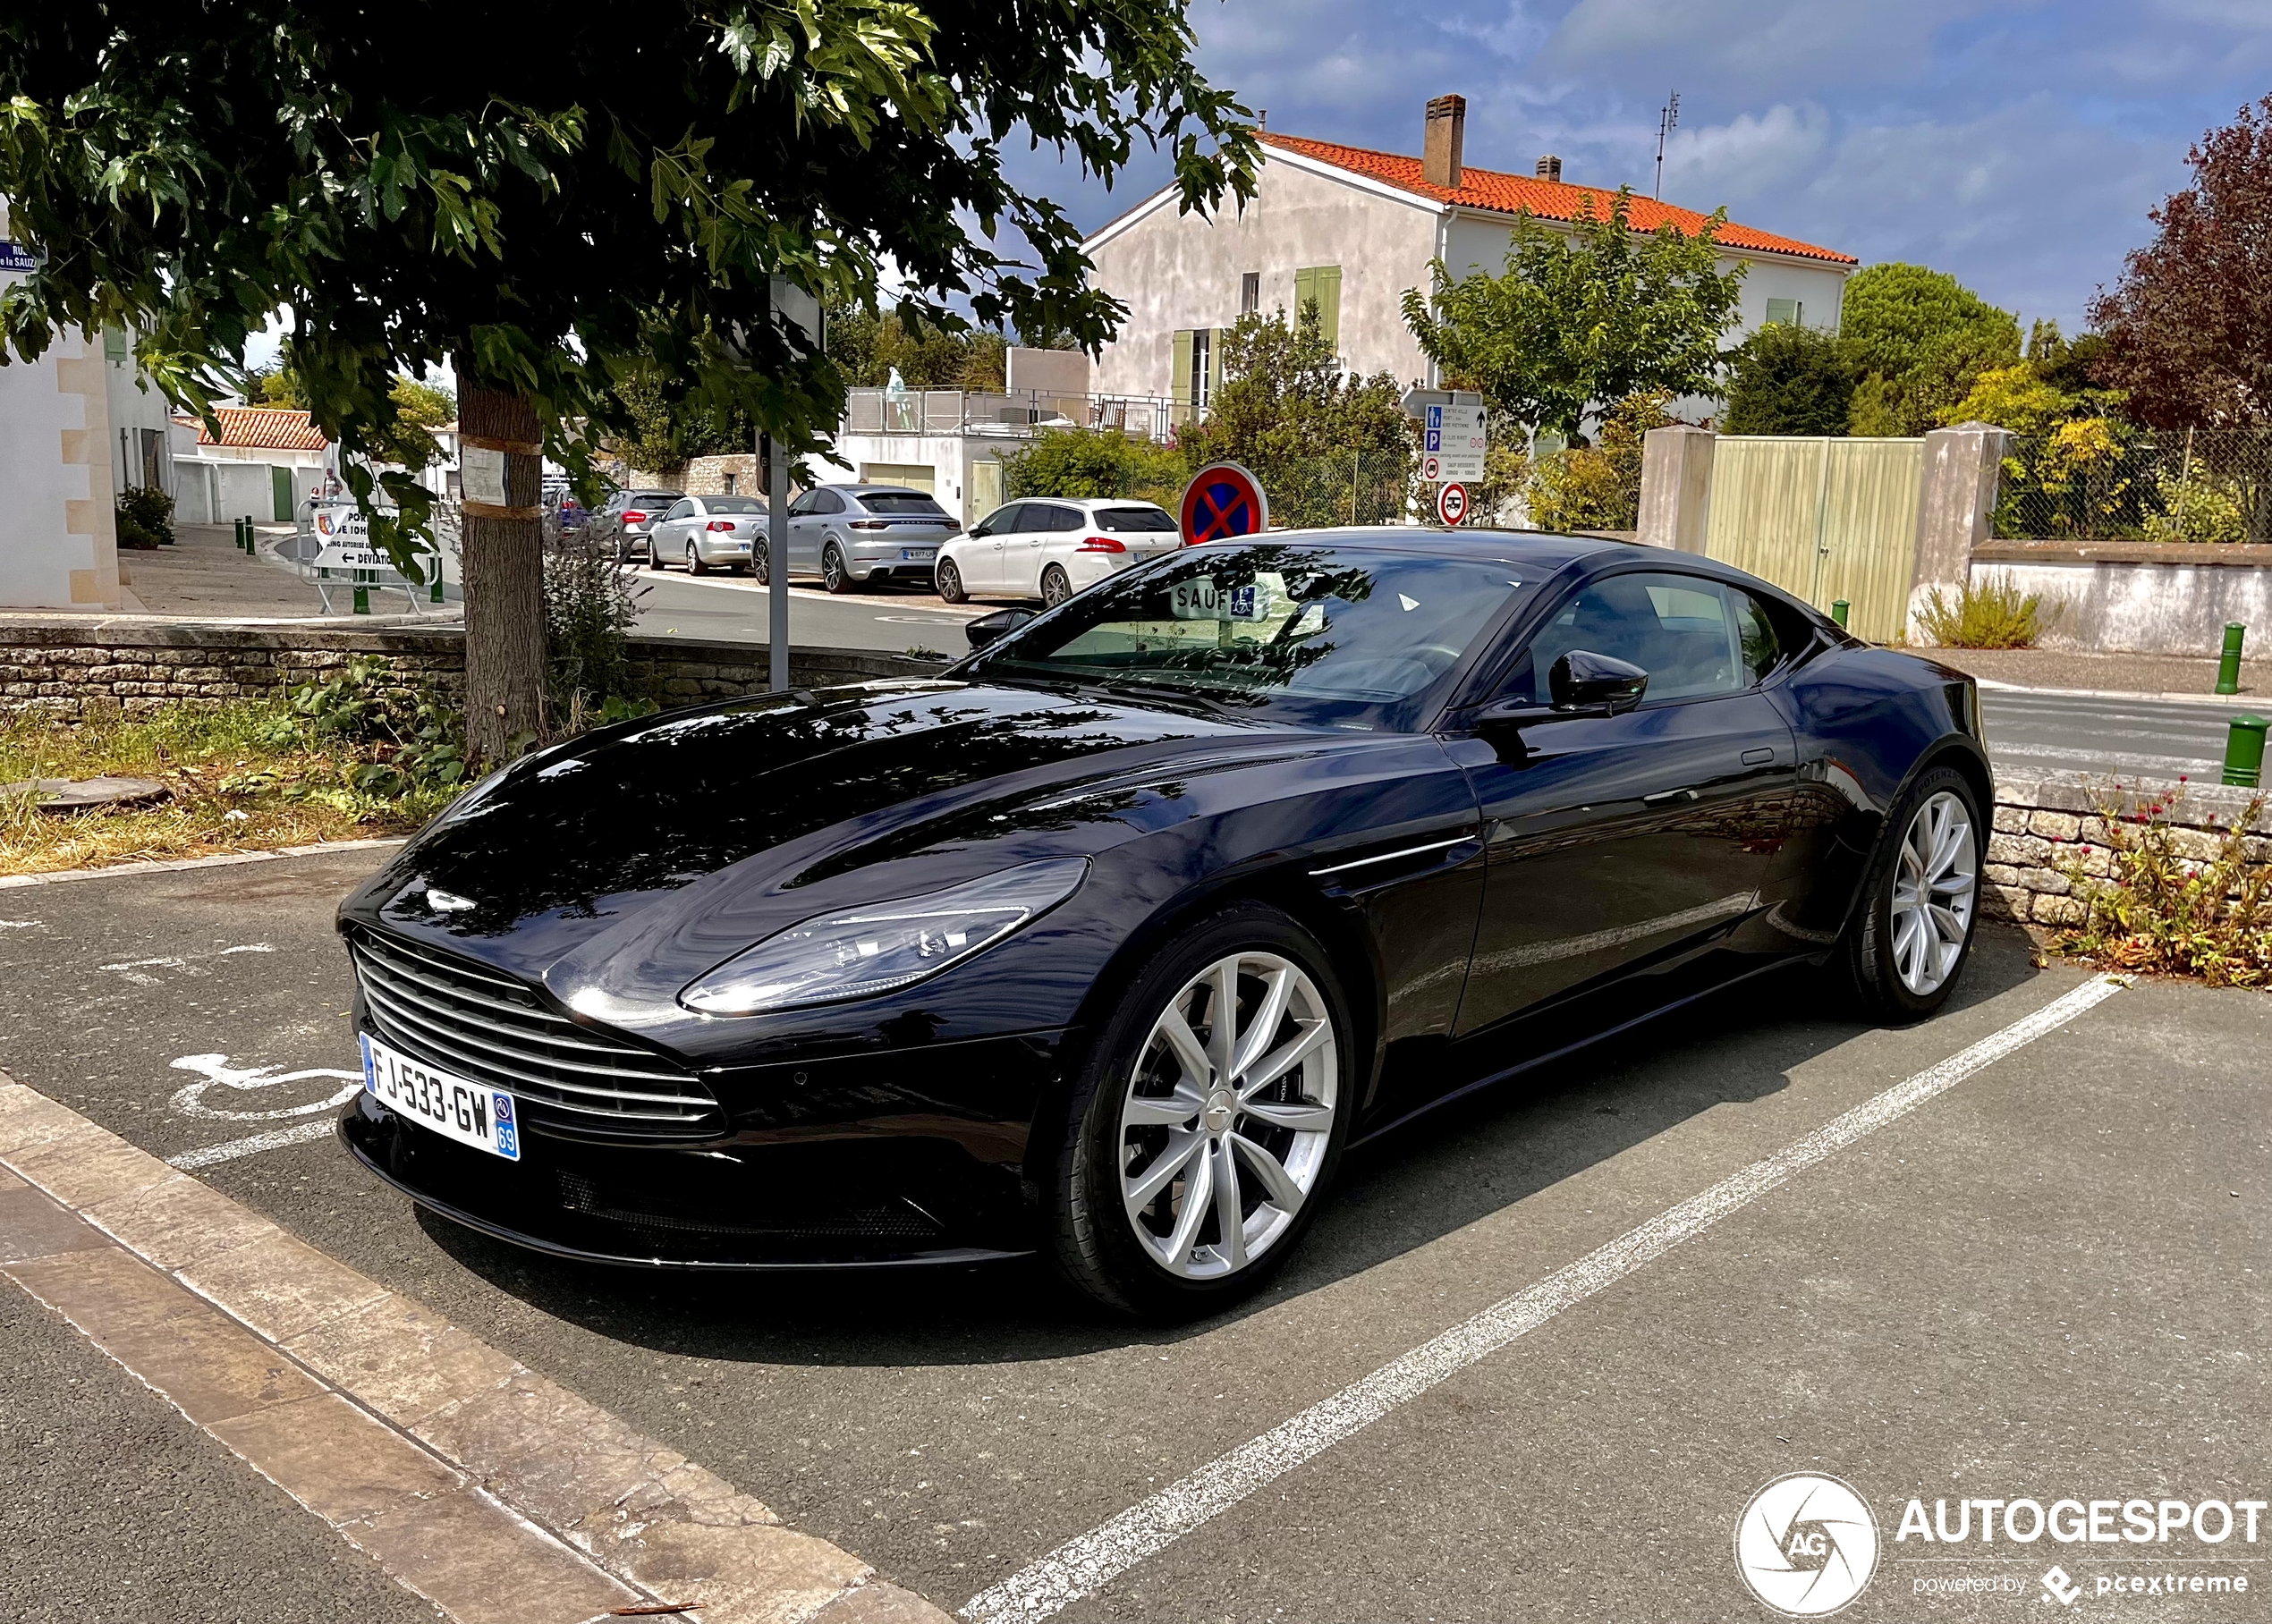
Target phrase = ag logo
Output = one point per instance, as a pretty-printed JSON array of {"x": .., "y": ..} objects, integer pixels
[{"x": 1806, "y": 1545}]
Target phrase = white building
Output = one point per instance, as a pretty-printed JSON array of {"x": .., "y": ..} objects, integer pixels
[
  {"x": 1352, "y": 229},
  {"x": 264, "y": 463}
]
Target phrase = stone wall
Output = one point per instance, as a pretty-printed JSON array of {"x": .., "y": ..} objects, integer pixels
[
  {"x": 2047, "y": 828},
  {"x": 79, "y": 667}
]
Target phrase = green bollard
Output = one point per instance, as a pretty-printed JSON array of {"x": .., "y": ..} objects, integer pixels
[
  {"x": 437, "y": 588},
  {"x": 1839, "y": 609},
  {"x": 2244, "y": 753},
  {"x": 2228, "y": 669},
  {"x": 362, "y": 592},
  {"x": 237, "y": 527}
]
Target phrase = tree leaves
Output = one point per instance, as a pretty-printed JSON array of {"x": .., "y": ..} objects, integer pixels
[{"x": 1582, "y": 320}]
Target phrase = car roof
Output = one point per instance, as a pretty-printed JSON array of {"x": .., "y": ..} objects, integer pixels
[
  {"x": 877, "y": 490},
  {"x": 1532, "y": 546}
]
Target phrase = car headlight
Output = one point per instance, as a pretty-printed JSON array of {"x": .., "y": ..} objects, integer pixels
[{"x": 875, "y": 947}]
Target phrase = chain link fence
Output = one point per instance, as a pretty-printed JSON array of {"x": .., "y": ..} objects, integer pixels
[
  {"x": 1360, "y": 487},
  {"x": 2087, "y": 482}
]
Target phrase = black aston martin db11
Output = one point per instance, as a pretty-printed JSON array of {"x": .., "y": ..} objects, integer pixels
[{"x": 1108, "y": 941}]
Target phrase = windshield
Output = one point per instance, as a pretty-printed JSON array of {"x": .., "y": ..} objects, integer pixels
[
  {"x": 899, "y": 502},
  {"x": 1125, "y": 519},
  {"x": 1348, "y": 636},
  {"x": 732, "y": 504}
]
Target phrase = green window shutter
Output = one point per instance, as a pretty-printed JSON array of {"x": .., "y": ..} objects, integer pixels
[
  {"x": 1179, "y": 386},
  {"x": 1214, "y": 362},
  {"x": 1305, "y": 288},
  {"x": 114, "y": 344},
  {"x": 1329, "y": 304}
]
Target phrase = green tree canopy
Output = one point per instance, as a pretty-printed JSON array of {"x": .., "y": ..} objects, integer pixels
[
  {"x": 1328, "y": 449},
  {"x": 1096, "y": 462},
  {"x": 1789, "y": 380},
  {"x": 1582, "y": 320},
  {"x": 1918, "y": 338},
  {"x": 868, "y": 347},
  {"x": 548, "y": 200}
]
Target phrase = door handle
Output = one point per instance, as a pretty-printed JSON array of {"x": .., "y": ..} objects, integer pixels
[{"x": 1759, "y": 757}]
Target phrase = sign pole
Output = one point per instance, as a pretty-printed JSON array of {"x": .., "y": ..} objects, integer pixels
[{"x": 776, "y": 548}]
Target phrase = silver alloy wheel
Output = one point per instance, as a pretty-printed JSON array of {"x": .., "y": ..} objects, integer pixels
[
  {"x": 1936, "y": 880},
  {"x": 1229, "y": 1112}
]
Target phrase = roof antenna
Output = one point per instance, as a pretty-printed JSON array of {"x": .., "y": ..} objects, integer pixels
[{"x": 1667, "y": 119}]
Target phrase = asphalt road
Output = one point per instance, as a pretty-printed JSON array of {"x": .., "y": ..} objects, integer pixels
[
  {"x": 2044, "y": 1282},
  {"x": 887, "y": 618},
  {"x": 2032, "y": 730}
]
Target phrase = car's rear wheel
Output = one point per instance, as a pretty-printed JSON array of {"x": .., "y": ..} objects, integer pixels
[
  {"x": 1913, "y": 930},
  {"x": 948, "y": 579},
  {"x": 1054, "y": 588},
  {"x": 1206, "y": 1126},
  {"x": 834, "y": 574}
]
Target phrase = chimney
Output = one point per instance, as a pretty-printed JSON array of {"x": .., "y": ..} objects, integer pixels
[
  {"x": 1550, "y": 168},
  {"x": 1446, "y": 133}
]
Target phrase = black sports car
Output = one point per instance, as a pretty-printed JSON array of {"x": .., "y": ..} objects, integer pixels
[{"x": 1107, "y": 941}]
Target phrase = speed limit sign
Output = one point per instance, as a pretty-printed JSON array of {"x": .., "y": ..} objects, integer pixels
[{"x": 1450, "y": 503}]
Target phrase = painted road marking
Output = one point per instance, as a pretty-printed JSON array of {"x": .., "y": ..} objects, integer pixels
[
  {"x": 215, "y": 1069},
  {"x": 187, "y": 963},
  {"x": 1083, "y": 1566},
  {"x": 276, "y": 1139}
]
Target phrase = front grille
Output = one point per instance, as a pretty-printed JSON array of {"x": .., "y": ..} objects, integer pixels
[
  {"x": 743, "y": 1210},
  {"x": 469, "y": 1018}
]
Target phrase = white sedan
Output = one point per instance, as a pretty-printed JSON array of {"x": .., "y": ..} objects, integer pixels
[{"x": 1051, "y": 547}]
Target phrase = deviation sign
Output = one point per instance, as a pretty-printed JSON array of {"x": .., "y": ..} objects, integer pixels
[
  {"x": 1224, "y": 501},
  {"x": 1451, "y": 503}
]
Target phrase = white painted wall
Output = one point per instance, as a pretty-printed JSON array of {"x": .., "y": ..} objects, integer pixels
[
  {"x": 951, "y": 458},
  {"x": 58, "y": 531},
  {"x": 2141, "y": 608},
  {"x": 135, "y": 406},
  {"x": 1177, "y": 271}
]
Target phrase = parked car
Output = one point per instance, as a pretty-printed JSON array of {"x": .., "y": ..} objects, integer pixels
[
  {"x": 846, "y": 534},
  {"x": 1105, "y": 943},
  {"x": 1051, "y": 549},
  {"x": 625, "y": 521},
  {"x": 703, "y": 532}
]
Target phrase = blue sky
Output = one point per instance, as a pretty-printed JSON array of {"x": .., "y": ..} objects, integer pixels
[{"x": 2018, "y": 145}]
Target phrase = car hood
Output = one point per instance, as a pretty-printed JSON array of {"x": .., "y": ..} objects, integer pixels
[{"x": 693, "y": 815}]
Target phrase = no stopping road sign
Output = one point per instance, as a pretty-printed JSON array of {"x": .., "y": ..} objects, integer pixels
[
  {"x": 1450, "y": 503},
  {"x": 1224, "y": 501}
]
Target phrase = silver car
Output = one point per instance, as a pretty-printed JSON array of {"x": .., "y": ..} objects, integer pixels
[
  {"x": 628, "y": 518},
  {"x": 707, "y": 532},
  {"x": 851, "y": 533}
]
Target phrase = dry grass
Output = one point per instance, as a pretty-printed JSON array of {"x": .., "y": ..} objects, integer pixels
[{"x": 243, "y": 777}]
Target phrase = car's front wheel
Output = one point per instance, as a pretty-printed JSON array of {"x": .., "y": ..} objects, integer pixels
[
  {"x": 759, "y": 568},
  {"x": 1912, "y": 928},
  {"x": 694, "y": 565},
  {"x": 948, "y": 579},
  {"x": 1206, "y": 1125}
]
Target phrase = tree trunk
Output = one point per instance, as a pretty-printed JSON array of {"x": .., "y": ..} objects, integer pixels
[{"x": 502, "y": 564}]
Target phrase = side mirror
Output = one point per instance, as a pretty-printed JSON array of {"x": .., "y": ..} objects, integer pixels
[
  {"x": 1584, "y": 680},
  {"x": 992, "y": 628},
  {"x": 978, "y": 532}
]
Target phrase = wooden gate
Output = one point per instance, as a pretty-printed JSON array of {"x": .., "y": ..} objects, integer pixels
[{"x": 1823, "y": 519}]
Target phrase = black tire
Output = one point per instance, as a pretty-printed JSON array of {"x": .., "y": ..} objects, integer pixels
[
  {"x": 623, "y": 554},
  {"x": 1865, "y": 961},
  {"x": 654, "y": 554},
  {"x": 694, "y": 565},
  {"x": 948, "y": 580},
  {"x": 760, "y": 566},
  {"x": 1094, "y": 1240},
  {"x": 834, "y": 577},
  {"x": 1055, "y": 586}
]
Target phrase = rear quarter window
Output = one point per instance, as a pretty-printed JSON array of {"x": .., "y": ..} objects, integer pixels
[{"x": 1135, "y": 518}]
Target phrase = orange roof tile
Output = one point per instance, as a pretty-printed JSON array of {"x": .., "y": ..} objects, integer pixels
[
  {"x": 264, "y": 429},
  {"x": 1510, "y": 194}
]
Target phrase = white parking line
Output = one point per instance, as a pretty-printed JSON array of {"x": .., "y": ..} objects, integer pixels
[
  {"x": 276, "y": 1139},
  {"x": 1081, "y": 1566}
]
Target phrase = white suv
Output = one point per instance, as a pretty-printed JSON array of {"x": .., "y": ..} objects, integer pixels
[{"x": 1050, "y": 548}]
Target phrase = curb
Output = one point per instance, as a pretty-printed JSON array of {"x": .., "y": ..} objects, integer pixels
[
  {"x": 8, "y": 882},
  {"x": 2238, "y": 701},
  {"x": 447, "y": 1461}
]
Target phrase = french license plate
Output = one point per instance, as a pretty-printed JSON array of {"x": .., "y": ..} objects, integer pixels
[
  {"x": 472, "y": 1113},
  {"x": 919, "y": 554}
]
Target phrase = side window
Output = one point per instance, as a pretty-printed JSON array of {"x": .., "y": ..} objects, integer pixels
[
  {"x": 1054, "y": 520},
  {"x": 803, "y": 504},
  {"x": 680, "y": 510},
  {"x": 1004, "y": 520},
  {"x": 827, "y": 502},
  {"x": 1695, "y": 638}
]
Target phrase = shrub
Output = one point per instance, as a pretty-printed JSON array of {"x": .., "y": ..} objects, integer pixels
[
  {"x": 1597, "y": 487},
  {"x": 1991, "y": 614},
  {"x": 149, "y": 512},
  {"x": 414, "y": 742},
  {"x": 1094, "y": 462},
  {"x": 590, "y": 610},
  {"x": 2197, "y": 509},
  {"x": 2165, "y": 910}
]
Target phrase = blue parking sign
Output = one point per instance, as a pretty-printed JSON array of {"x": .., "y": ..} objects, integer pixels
[{"x": 1435, "y": 437}]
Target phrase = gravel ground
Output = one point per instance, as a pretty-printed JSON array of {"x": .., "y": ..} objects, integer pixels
[{"x": 2131, "y": 673}]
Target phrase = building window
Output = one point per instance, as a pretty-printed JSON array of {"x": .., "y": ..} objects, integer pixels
[
  {"x": 1321, "y": 285},
  {"x": 729, "y": 483},
  {"x": 1784, "y": 310},
  {"x": 1249, "y": 292},
  {"x": 1197, "y": 367}
]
